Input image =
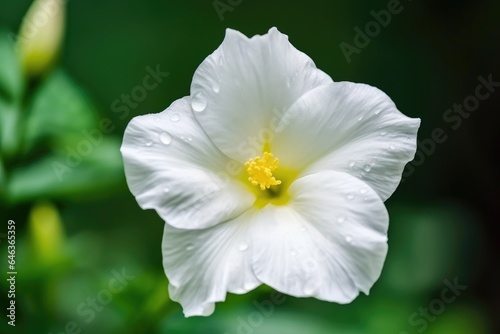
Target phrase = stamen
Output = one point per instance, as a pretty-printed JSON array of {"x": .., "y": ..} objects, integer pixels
[{"x": 260, "y": 171}]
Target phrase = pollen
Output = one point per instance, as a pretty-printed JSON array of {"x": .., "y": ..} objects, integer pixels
[{"x": 260, "y": 171}]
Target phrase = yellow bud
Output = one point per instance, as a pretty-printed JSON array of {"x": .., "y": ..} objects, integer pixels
[
  {"x": 46, "y": 232},
  {"x": 40, "y": 35}
]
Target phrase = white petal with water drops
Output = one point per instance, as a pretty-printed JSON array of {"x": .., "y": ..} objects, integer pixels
[{"x": 341, "y": 148}]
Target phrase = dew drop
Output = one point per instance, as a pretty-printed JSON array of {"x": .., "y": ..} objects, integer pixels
[
  {"x": 215, "y": 87},
  {"x": 367, "y": 168},
  {"x": 348, "y": 239},
  {"x": 175, "y": 118},
  {"x": 165, "y": 138},
  {"x": 199, "y": 102},
  {"x": 166, "y": 190},
  {"x": 186, "y": 139},
  {"x": 243, "y": 246},
  {"x": 189, "y": 247},
  {"x": 341, "y": 219},
  {"x": 362, "y": 191},
  {"x": 351, "y": 164},
  {"x": 378, "y": 111},
  {"x": 149, "y": 143},
  {"x": 361, "y": 118},
  {"x": 392, "y": 147},
  {"x": 383, "y": 133},
  {"x": 350, "y": 196}
]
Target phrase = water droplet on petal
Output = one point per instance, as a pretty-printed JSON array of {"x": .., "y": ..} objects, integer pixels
[
  {"x": 361, "y": 118},
  {"x": 175, "y": 118},
  {"x": 351, "y": 164},
  {"x": 199, "y": 102},
  {"x": 215, "y": 87},
  {"x": 367, "y": 168},
  {"x": 149, "y": 143},
  {"x": 341, "y": 219},
  {"x": 165, "y": 138},
  {"x": 189, "y": 247},
  {"x": 378, "y": 111},
  {"x": 383, "y": 133},
  {"x": 186, "y": 139},
  {"x": 348, "y": 239},
  {"x": 362, "y": 191},
  {"x": 350, "y": 196},
  {"x": 243, "y": 246},
  {"x": 392, "y": 147},
  {"x": 166, "y": 190}
]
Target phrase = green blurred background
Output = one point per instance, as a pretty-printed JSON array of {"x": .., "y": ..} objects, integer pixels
[{"x": 74, "y": 235}]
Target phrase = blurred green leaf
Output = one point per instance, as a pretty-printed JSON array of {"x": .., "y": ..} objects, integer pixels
[
  {"x": 11, "y": 77},
  {"x": 10, "y": 133},
  {"x": 3, "y": 180},
  {"x": 68, "y": 173},
  {"x": 59, "y": 111},
  {"x": 11, "y": 89}
]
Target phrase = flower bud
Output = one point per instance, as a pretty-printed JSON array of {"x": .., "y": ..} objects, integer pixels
[
  {"x": 46, "y": 232},
  {"x": 40, "y": 36}
]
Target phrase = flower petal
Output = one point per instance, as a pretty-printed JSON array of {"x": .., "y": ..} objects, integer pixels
[
  {"x": 203, "y": 265},
  {"x": 172, "y": 166},
  {"x": 329, "y": 242},
  {"x": 348, "y": 127},
  {"x": 246, "y": 85}
]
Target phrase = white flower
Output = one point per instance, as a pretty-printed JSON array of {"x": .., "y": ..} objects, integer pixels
[{"x": 312, "y": 223}]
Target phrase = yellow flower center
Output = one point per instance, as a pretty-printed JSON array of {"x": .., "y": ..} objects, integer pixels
[{"x": 260, "y": 171}]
